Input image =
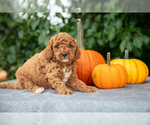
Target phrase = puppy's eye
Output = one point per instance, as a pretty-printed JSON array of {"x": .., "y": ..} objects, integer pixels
[
  {"x": 57, "y": 46},
  {"x": 69, "y": 46}
]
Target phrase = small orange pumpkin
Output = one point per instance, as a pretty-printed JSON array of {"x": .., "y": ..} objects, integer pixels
[
  {"x": 136, "y": 69},
  {"x": 88, "y": 59},
  {"x": 3, "y": 75},
  {"x": 108, "y": 76}
]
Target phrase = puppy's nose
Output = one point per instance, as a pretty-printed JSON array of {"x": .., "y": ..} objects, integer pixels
[{"x": 64, "y": 54}]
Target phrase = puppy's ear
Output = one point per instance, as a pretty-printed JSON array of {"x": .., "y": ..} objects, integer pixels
[
  {"x": 48, "y": 50},
  {"x": 77, "y": 53}
]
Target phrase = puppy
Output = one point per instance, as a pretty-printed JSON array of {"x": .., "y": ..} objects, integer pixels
[{"x": 53, "y": 68}]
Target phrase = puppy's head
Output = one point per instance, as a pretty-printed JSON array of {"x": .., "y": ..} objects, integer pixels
[{"x": 62, "y": 48}]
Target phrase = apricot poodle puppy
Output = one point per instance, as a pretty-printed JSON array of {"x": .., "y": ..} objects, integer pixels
[{"x": 53, "y": 68}]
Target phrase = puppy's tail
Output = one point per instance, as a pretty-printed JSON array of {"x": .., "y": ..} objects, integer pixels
[{"x": 9, "y": 85}]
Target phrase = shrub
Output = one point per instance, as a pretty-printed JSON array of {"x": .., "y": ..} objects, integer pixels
[{"x": 23, "y": 36}]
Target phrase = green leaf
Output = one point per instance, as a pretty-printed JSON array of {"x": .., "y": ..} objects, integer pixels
[
  {"x": 20, "y": 33},
  {"x": 11, "y": 58},
  {"x": 41, "y": 38},
  {"x": 137, "y": 42},
  {"x": 58, "y": 15},
  {"x": 94, "y": 26},
  {"x": 132, "y": 24},
  {"x": 137, "y": 52},
  {"x": 113, "y": 44},
  {"x": 122, "y": 45},
  {"x": 56, "y": 28},
  {"x": 18, "y": 43},
  {"x": 125, "y": 35},
  {"x": 47, "y": 24},
  {"x": 100, "y": 42},
  {"x": 12, "y": 49},
  {"x": 129, "y": 46},
  {"x": 91, "y": 42},
  {"x": 86, "y": 24},
  {"x": 106, "y": 40},
  {"x": 97, "y": 18},
  {"x": 118, "y": 24},
  {"x": 112, "y": 16},
  {"x": 98, "y": 35},
  {"x": 47, "y": 38},
  {"x": 24, "y": 22},
  {"x": 145, "y": 39},
  {"x": 89, "y": 32},
  {"x": 34, "y": 24},
  {"x": 111, "y": 36},
  {"x": 24, "y": 43},
  {"x": 18, "y": 20},
  {"x": 13, "y": 68}
]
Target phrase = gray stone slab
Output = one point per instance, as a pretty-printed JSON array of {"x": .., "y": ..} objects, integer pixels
[{"x": 131, "y": 98}]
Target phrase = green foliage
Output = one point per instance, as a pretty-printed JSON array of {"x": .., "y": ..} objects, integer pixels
[
  {"x": 21, "y": 38},
  {"x": 115, "y": 32}
]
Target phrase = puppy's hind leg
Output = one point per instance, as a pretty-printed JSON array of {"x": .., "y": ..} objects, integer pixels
[
  {"x": 23, "y": 76},
  {"x": 32, "y": 87}
]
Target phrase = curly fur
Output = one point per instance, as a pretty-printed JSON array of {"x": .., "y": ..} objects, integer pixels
[{"x": 51, "y": 70}]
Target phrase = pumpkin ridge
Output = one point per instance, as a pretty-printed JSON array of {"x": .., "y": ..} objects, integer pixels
[
  {"x": 147, "y": 72},
  {"x": 143, "y": 66},
  {"x": 118, "y": 70},
  {"x": 99, "y": 77},
  {"x": 122, "y": 78},
  {"x": 83, "y": 73},
  {"x": 80, "y": 73},
  {"x": 125, "y": 79},
  {"x": 109, "y": 69},
  {"x": 90, "y": 61},
  {"x": 137, "y": 68},
  {"x": 129, "y": 65},
  {"x": 124, "y": 62},
  {"x": 112, "y": 78},
  {"x": 146, "y": 69},
  {"x": 77, "y": 64}
]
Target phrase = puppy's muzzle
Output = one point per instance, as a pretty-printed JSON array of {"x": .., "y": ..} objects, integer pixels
[
  {"x": 64, "y": 55},
  {"x": 64, "y": 58}
]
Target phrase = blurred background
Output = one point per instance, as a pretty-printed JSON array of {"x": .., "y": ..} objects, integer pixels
[{"x": 27, "y": 26}]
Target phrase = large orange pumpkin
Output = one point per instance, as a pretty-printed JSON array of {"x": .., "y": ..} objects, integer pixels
[
  {"x": 88, "y": 59},
  {"x": 136, "y": 69},
  {"x": 87, "y": 62},
  {"x": 108, "y": 76}
]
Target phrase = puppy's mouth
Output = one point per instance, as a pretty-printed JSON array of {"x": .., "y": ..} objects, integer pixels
[{"x": 64, "y": 60}]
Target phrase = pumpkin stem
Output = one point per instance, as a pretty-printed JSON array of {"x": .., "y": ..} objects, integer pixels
[
  {"x": 80, "y": 34},
  {"x": 108, "y": 58},
  {"x": 126, "y": 54}
]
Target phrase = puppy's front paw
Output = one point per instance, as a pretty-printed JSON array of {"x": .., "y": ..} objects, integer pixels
[
  {"x": 39, "y": 90},
  {"x": 65, "y": 92},
  {"x": 91, "y": 89}
]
